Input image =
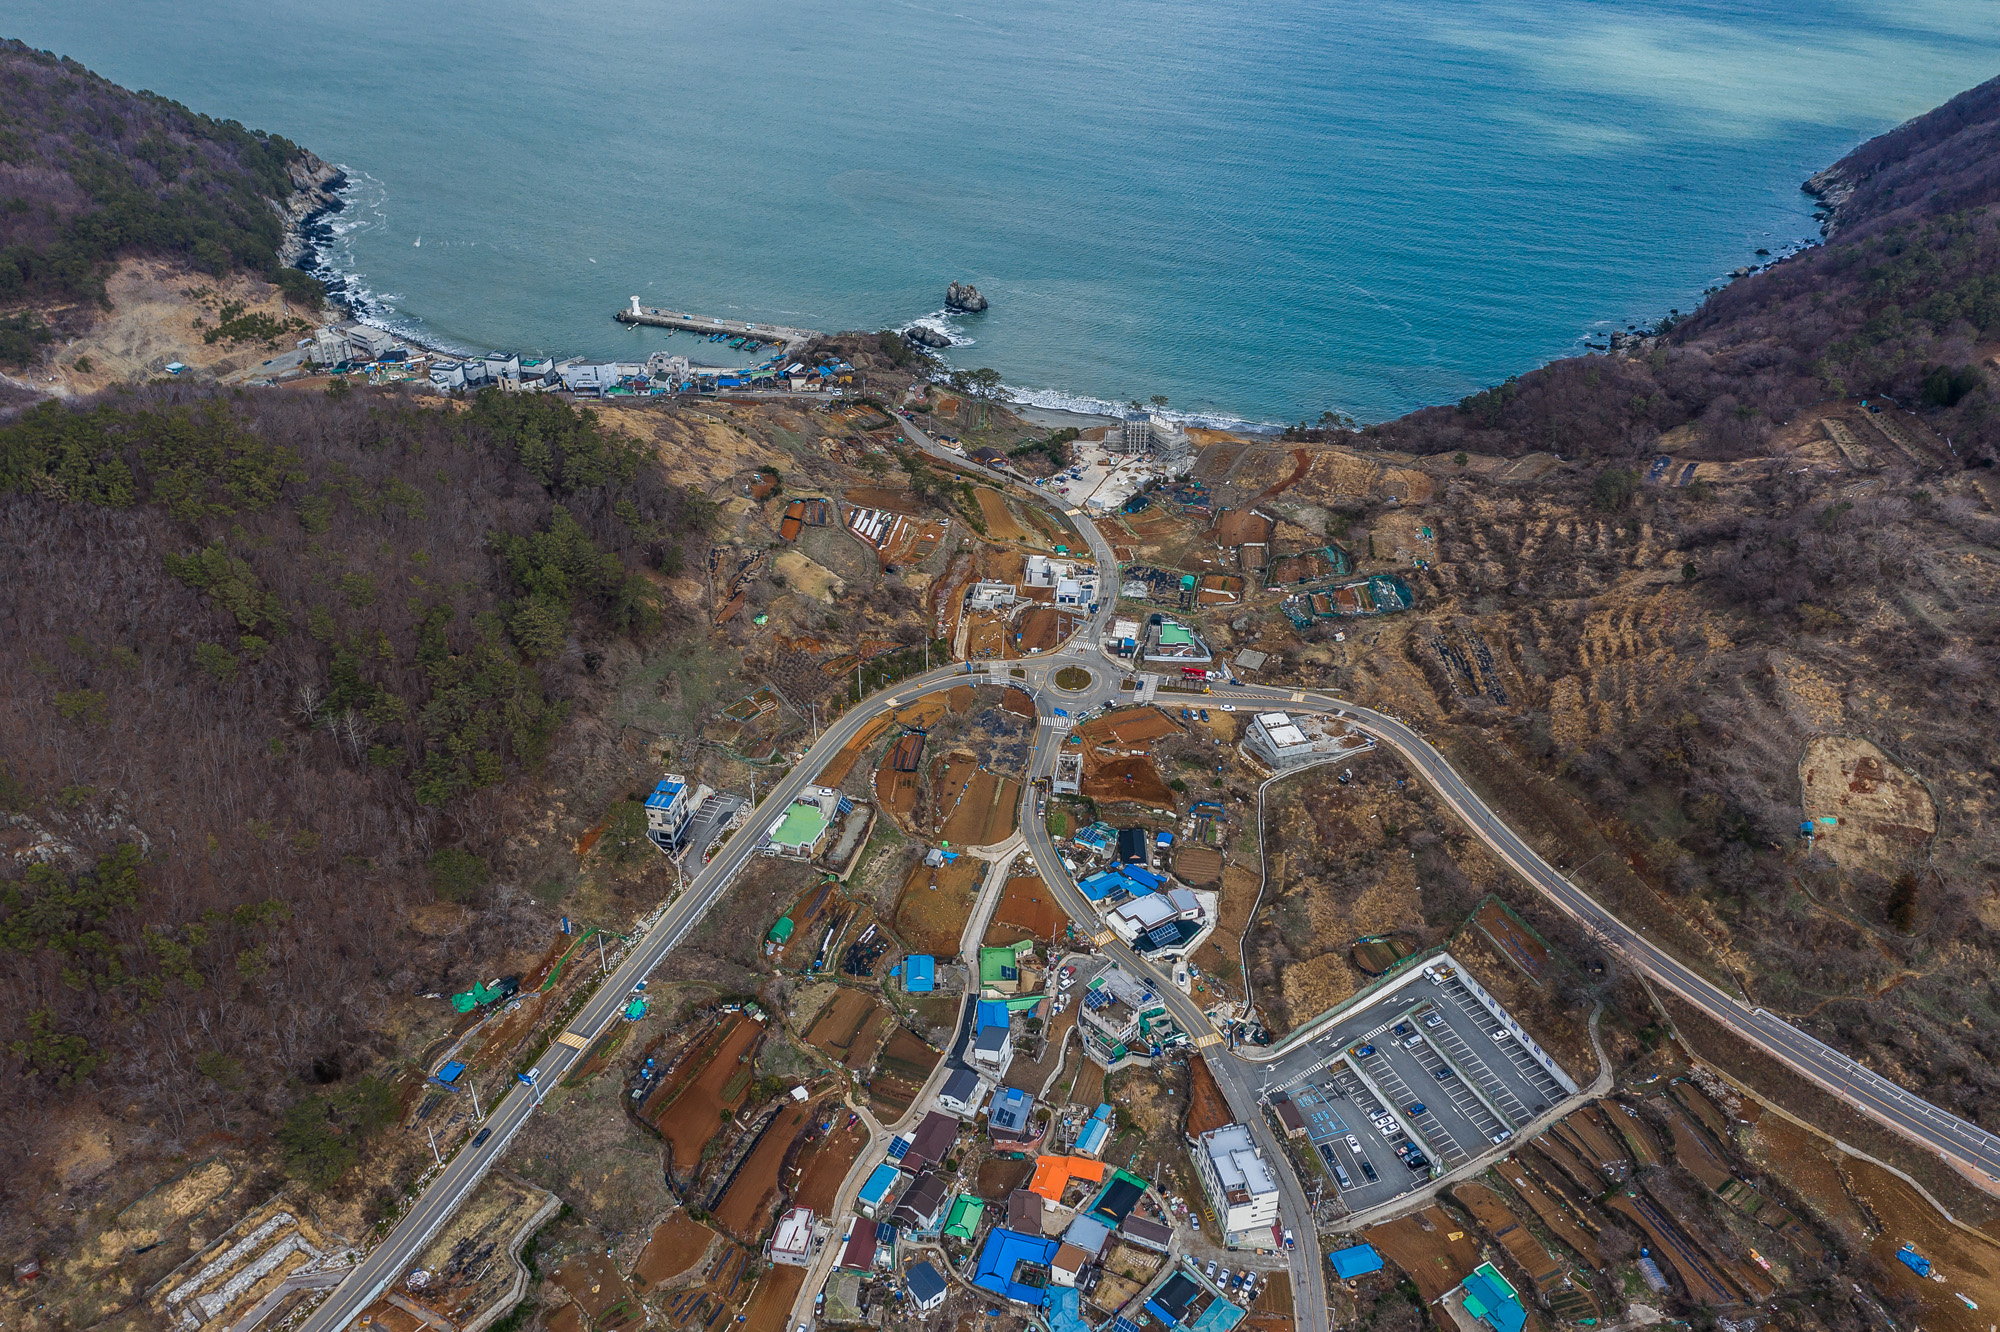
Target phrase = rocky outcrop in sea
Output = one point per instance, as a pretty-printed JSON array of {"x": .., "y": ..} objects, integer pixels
[
  {"x": 926, "y": 337},
  {"x": 964, "y": 298}
]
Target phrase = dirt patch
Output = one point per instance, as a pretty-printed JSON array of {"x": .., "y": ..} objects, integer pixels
[
  {"x": 1208, "y": 1109},
  {"x": 849, "y": 1028},
  {"x": 900, "y": 1073},
  {"x": 1199, "y": 864},
  {"x": 824, "y": 1164},
  {"x": 1424, "y": 1247},
  {"x": 1016, "y": 701},
  {"x": 1376, "y": 954},
  {"x": 678, "y": 1244},
  {"x": 1028, "y": 907},
  {"x": 1516, "y": 943},
  {"x": 935, "y": 904},
  {"x": 1131, "y": 779},
  {"x": 1001, "y": 524},
  {"x": 999, "y": 1176},
  {"x": 745, "y": 1209},
  {"x": 980, "y": 812},
  {"x": 593, "y": 1281},
  {"x": 771, "y": 1307},
  {"x": 836, "y": 769},
  {"x": 1881, "y": 812},
  {"x": 1130, "y": 727},
  {"x": 687, "y": 1108}
]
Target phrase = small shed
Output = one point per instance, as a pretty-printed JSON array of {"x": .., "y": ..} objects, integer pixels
[
  {"x": 920, "y": 974},
  {"x": 1359, "y": 1260}
]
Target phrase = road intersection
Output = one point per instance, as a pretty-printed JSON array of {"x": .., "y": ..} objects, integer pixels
[{"x": 1238, "y": 1074}]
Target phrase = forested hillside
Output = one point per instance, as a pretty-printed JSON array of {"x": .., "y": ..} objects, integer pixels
[
  {"x": 90, "y": 171},
  {"x": 276, "y": 668},
  {"x": 1895, "y": 303}
]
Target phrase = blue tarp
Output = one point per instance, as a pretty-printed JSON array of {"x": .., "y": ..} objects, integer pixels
[
  {"x": 922, "y": 972},
  {"x": 1141, "y": 875},
  {"x": 1354, "y": 1262},
  {"x": 1005, "y": 1251}
]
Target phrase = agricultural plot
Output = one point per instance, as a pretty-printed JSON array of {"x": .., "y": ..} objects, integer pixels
[
  {"x": 687, "y": 1107},
  {"x": 1429, "y": 1246},
  {"x": 677, "y": 1245},
  {"x": 1131, "y": 779},
  {"x": 935, "y": 904},
  {"x": 1001, "y": 524},
  {"x": 824, "y": 1162},
  {"x": 1490, "y": 1210},
  {"x": 849, "y": 1028},
  {"x": 594, "y": 1283},
  {"x": 977, "y": 806},
  {"x": 1027, "y": 907},
  {"x": 746, "y": 1205},
  {"x": 903, "y": 1067}
]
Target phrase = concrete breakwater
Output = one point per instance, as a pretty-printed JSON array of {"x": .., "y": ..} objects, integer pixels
[{"x": 793, "y": 339}]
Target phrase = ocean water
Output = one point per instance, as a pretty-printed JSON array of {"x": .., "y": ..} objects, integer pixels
[{"x": 1261, "y": 211}]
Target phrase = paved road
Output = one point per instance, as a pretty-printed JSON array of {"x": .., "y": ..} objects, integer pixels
[{"x": 1868, "y": 1091}]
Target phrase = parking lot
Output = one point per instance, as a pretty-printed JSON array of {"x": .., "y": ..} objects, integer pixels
[{"x": 1416, "y": 1082}]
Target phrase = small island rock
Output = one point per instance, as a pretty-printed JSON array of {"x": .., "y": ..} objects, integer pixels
[{"x": 964, "y": 298}]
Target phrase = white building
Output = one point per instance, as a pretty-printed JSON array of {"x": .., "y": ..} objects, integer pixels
[
  {"x": 1285, "y": 741},
  {"x": 1240, "y": 1185},
  {"x": 1129, "y": 920},
  {"x": 368, "y": 344},
  {"x": 990, "y": 596},
  {"x": 670, "y": 810},
  {"x": 791, "y": 1242},
  {"x": 1172, "y": 450},
  {"x": 1068, "y": 776}
]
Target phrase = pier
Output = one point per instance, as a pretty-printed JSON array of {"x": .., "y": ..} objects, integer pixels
[{"x": 794, "y": 339}]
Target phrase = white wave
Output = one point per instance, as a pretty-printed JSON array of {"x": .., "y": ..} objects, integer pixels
[
  {"x": 939, "y": 321},
  {"x": 1058, "y": 400}
]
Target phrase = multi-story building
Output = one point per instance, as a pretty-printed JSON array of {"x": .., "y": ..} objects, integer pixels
[
  {"x": 1285, "y": 741},
  {"x": 1240, "y": 1185},
  {"x": 791, "y": 1242},
  {"x": 669, "y": 812},
  {"x": 800, "y": 832}
]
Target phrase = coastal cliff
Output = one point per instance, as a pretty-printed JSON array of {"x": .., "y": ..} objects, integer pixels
[{"x": 315, "y": 186}]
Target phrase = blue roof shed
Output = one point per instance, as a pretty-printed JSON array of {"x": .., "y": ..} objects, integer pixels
[
  {"x": 920, "y": 974},
  {"x": 1356, "y": 1261},
  {"x": 877, "y": 1186}
]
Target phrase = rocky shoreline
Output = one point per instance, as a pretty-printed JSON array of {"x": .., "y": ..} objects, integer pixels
[{"x": 315, "y": 195}]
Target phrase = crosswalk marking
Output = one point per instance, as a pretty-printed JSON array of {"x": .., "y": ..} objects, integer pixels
[
  {"x": 1204, "y": 1041},
  {"x": 573, "y": 1041},
  {"x": 1298, "y": 698}
]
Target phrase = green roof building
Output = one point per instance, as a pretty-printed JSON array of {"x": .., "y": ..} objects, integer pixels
[
  {"x": 782, "y": 931},
  {"x": 1489, "y": 1298},
  {"x": 1175, "y": 635},
  {"x": 963, "y": 1223}
]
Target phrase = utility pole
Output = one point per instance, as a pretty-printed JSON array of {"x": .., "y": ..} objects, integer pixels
[
  {"x": 434, "y": 1146},
  {"x": 477, "y": 1113},
  {"x": 601, "y": 967}
]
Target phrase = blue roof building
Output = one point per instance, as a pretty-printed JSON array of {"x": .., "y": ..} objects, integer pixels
[
  {"x": 1489, "y": 1298},
  {"x": 1145, "y": 878},
  {"x": 1091, "y": 1141},
  {"x": 669, "y": 813},
  {"x": 1016, "y": 1266},
  {"x": 920, "y": 974},
  {"x": 927, "y": 1288},
  {"x": 992, "y": 1013},
  {"x": 875, "y": 1190},
  {"x": 1359, "y": 1260}
]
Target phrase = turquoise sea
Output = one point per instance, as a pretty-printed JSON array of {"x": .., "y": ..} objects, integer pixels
[{"x": 1259, "y": 210}]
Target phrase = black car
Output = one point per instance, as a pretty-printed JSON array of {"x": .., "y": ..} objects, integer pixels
[
  {"x": 479, "y": 1138},
  {"x": 1368, "y": 1170}
]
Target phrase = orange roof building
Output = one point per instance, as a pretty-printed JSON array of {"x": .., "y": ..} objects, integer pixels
[{"x": 1053, "y": 1174}]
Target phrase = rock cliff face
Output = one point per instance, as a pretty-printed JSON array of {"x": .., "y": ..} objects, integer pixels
[
  {"x": 964, "y": 297},
  {"x": 315, "y": 183}
]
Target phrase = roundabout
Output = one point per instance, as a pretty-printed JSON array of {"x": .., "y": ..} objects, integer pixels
[{"x": 1073, "y": 679}]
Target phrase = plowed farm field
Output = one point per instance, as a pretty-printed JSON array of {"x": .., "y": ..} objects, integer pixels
[
  {"x": 936, "y": 903},
  {"x": 1131, "y": 727},
  {"x": 1134, "y": 779},
  {"x": 849, "y": 1028},
  {"x": 900, "y": 1073},
  {"x": 745, "y": 1210},
  {"x": 677, "y": 1245},
  {"x": 824, "y": 1164},
  {"x": 687, "y": 1109},
  {"x": 1422, "y": 1245},
  {"x": 1027, "y": 905},
  {"x": 1001, "y": 524},
  {"x": 836, "y": 769},
  {"x": 985, "y": 811}
]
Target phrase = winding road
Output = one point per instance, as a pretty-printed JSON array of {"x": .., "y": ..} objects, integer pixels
[{"x": 1959, "y": 1142}]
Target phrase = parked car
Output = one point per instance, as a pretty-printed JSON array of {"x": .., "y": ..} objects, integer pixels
[
  {"x": 1442, "y": 1075},
  {"x": 1368, "y": 1170},
  {"x": 1502, "y": 1136},
  {"x": 1211, "y": 1269},
  {"x": 1401, "y": 1029},
  {"x": 1363, "y": 1051},
  {"x": 1434, "y": 1019},
  {"x": 1289, "y": 1241},
  {"x": 1416, "y": 1108}
]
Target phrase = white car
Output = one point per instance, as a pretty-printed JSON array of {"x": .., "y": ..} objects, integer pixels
[{"x": 1229, "y": 707}]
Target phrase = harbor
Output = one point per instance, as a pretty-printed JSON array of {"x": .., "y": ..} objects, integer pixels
[{"x": 792, "y": 340}]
